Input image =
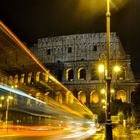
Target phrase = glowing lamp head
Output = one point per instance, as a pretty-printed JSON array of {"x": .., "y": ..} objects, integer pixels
[
  {"x": 103, "y": 101},
  {"x": 2, "y": 97},
  {"x": 112, "y": 91},
  {"x": 10, "y": 97},
  {"x": 102, "y": 91},
  {"x": 101, "y": 68},
  {"x": 104, "y": 107},
  {"x": 117, "y": 68}
]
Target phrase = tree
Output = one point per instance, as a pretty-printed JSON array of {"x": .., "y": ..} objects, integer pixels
[
  {"x": 118, "y": 106},
  {"x": 136, "y": 104}
]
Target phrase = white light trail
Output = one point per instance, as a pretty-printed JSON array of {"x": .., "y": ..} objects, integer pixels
[{"x": 19, "y": 92}]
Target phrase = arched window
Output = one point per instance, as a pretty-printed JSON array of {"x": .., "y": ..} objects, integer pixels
[
  {"x": 38, "y": 76},
  {"x": 121, "y": 94},
  {"x": 16, "y": 79},
  {"x": 58, "y": 97},
  {"x": 29, "y": 78},
  {"x": 94, "y": 97},
  {"x": 11, "y": 80},
  {"x": 82, "y": 74},
  {"x": 38, "y": 96},
  {"x": 69, "y": 74},
  {"x": 82, "y": 97}
]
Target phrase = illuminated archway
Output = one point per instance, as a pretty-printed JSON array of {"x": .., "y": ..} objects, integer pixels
[
  {"x": 69, "y": 74},
  {"x": 38, "y": 96},
  {"x": 82, "y": 96},
  {"x": 58, "y": 97},
  {"x": 82, "y": 74},
  {"x": 94, "y": 97},
  {"x": 121, "y": 94},
  {"x": 11, "y": 80}
]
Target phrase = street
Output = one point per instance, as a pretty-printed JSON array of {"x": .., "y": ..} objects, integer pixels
[{"x": 97, "y": 136}]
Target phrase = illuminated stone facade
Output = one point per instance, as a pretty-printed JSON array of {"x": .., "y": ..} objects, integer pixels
[{"x": 74, "y": 60}]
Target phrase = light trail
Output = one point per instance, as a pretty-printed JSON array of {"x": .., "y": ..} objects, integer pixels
[
  {"x": 16, "y": 91},
  {"x": 65, "y": 120}
]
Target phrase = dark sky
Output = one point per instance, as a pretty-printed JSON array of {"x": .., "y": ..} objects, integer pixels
[{"x": 33, "y": 19}]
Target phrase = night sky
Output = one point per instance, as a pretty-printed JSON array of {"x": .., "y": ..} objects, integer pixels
[{"x": 33, "y": 19}]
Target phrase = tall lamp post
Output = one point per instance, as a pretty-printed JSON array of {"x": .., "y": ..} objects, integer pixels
[
  {"x": 7, "y": 109},
  {"x": 108, "y": 74}
]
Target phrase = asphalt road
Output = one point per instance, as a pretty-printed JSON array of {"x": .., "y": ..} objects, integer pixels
[
  {"x": 99, "y": 136},
  {"x": 95, "y": 137}
]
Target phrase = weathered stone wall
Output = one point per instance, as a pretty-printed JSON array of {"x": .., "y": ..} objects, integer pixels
[{"x": 86, "y": 51}]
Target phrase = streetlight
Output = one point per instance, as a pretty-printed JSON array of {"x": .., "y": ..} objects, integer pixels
[
  {"x": 7, "y": 109},
  {"x": 101, "y": 68},
  {"x": 108, "y": 123}
]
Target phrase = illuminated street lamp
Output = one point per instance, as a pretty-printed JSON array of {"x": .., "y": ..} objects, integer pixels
[
  {"x": 7, "y": 109},
  {"x": 101, "y": 68},
  {"x": 103, "y": 101},
  {"x": 116, "y": 68},
  {"x": 103, "y": 91},
  {"x": 108, "y": 123}
]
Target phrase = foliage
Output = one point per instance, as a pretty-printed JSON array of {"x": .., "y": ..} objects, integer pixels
[
  {"x": 121, "y": 117},
  {"x": 136, "y": 103},
  {"x": 136, "y": 97},
  {"x": 119, "y": 106}
]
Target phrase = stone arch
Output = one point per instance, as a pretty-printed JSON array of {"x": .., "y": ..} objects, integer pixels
[
  {"x": 58, "y": 97},
  {"x": 94, "y": 97},
  {"x": 69, "y": 98},
  {"x": 82, "y": 73},
  {"x": 38, "y": 96},
  {"x": 82, "y": 96},
  {"x": 11, "y": 80},
  {"x": 38, "y": 76},
  {"x": 29, "y": 77},
  {"x": 121, "y": 94},
  {"x": 16, "y": 79},
  {"x": 69, "y": 74},
  {"x": 22, "y": 78}
]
